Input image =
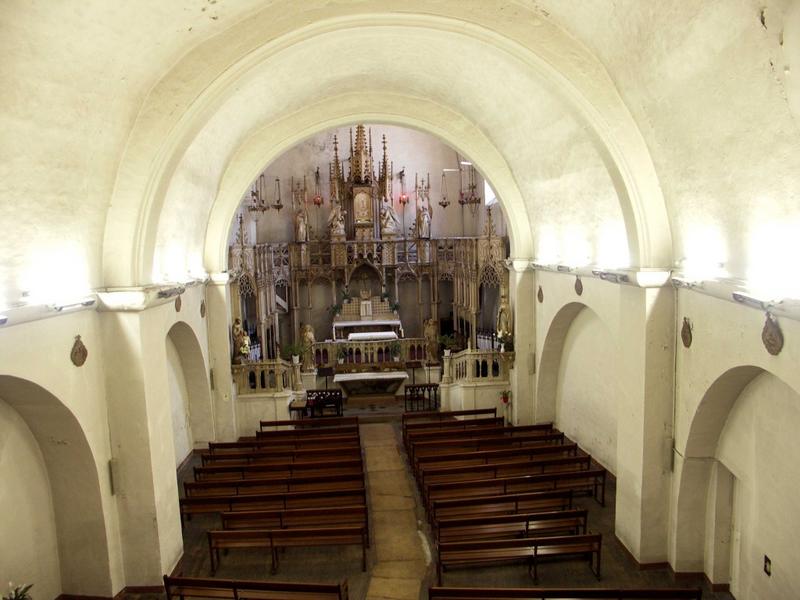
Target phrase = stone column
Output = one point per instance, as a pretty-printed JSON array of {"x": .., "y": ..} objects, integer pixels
[
  {"x": 523, "y": 307},
  {"x": 219, "y": 356},
  {"x": 644, "y": 422}
]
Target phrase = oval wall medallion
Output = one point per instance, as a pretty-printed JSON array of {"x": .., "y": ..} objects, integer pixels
[
  {"x": 79, "y": 352},
  {"x": 540, "y": 294},
  {"x": 686, "y": 332},
  {"x": 178, "y": 304},
  {"x": 772, "y": 336},
  {"x": 202, "y": 309},
  {"x": 578, "y": 286}
]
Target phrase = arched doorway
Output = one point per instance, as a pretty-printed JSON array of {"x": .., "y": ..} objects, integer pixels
[{"x": 58, "y": 536}]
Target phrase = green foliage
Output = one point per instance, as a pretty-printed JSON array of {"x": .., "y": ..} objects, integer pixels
[
  {"x": 292, "y": 349},
  {"x": 394, "y": 348},
  {"x": 395, "y": 306},
  {"x": 19, "y": 592},
  {"x": 448, "y": 342},
  {"x": 341, "y": 352},
  {"x": 335, "y": 309}
]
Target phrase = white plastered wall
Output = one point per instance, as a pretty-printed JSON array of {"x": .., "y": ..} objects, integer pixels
[{"x": 179, "y": 401}]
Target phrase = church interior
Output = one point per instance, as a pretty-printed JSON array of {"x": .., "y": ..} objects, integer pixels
[{"x": 400, "y": 300}]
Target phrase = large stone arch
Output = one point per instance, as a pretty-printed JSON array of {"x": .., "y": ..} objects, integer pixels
[
  {"x": 188, "y": 97},
  {"x": 83, "y": 544},
  {"x": 195, "y": 372}
]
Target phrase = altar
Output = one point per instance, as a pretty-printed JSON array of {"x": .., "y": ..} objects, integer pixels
[{"x": 370, "y": 382}]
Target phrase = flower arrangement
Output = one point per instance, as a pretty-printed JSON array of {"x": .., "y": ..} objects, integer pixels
[
  {"x": 394, "y": 349},
  {"x": 19, "y": 592},
  {"x": 505, "y": 396},
  {"x": 335, "y": 309}
]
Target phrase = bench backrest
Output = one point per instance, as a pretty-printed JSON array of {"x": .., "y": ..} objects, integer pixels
[
  {"x": 239, "y": 589},
  {"x": 504, "y": 469},
  {"x": 278, "y": 519},
  {"x": 255, "y": 456},
  {"x": 488, "y": 456},
  {"x": 434, "y": 415},
  {"x": 507, "y": 503},
  {"x": 474, "y": 432},
  {"x": 452, "y": 593},
  {"x": 201, "y": 504},
  {"x": 231, "y": 487},
  {"x": 280, "y": 469},
  {"x": 592, "y": 541},
  {"x": 310, "y": 423}
]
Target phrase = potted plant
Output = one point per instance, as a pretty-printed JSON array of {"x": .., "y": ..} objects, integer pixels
[
  {"x": 505, "y": 396},
  {"x": 394, "y": 349},
  {"x": 394, "y": 306},
  {"x": 448, "y": 343},
  {"x": 293, "y": 350},
  {"x": 19, "y": 592},
  {"x": 506, "y": 343},
  {"x": 335, "y": 309},
  {"x": 341, "y": 354},
  {"x": 346, "y": 296}
]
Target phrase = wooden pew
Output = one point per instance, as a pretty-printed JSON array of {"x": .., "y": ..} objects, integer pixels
[
  {"x": 590, "y": 481},
  {"x": 283, "y": 446},
  {"x": 242, "y": 589},
  {"x": 562, "y": 522},
  {"x": 505, "y": 469},
  {"x": 289, "y": 442},
  {"x": 279, "y": 501},
  {"x": 275, "y": 539},
  {"x": 256, "y": 471},
  {"x": 310, "y": 423},
  {"x": 410, "y": 428},
  {"x": 489, "y": 430},
  {"x": 444, "y": 415},
  {"x": 531, "y": 550},
  {"x": 500, "y": 505},
  {"x": 449, "y": 445},
  {"x": 240, "y": 487},
  {"x": 270, "y": 456},
  {"x": 452, "y": 593},
  {"x": 298, "y": 517},
  {"x": 485, "y": 457}
]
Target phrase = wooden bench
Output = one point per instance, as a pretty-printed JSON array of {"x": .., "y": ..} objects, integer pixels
[
  {"x": 275, "y": 539},
  {"x": 444, "y": 415},
  {"x": 447, "y": 446},
  {"x": 487, "y": 457},
  {"x": 270, "y": 456},
  {"x": 452, "y": 593},
  {"x": 239, "y": 487},
  {"x": 562, "y": 522},
  {"x": 455, "y": 425},
  {"x": 476, "y": 432},
  {"x": 531, "y": 550},
  {"x": 285, "y": 445},
  {"x": 590, "y": 481},
  {"x": 306, "y": 423},
  {"x": 241, "y": 589},
  {"x": 303, "y": 432},
  {"x": 222, "y": 472},
  {"x": 298, "y": 517},
  {"x": 505, "y": 469},
  {"x": 500, "y": 505},
  {"x": 279, "y": 501}
]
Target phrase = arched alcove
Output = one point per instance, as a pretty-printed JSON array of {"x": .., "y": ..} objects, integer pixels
[
  {"x": 737, "y": 486},
  {"x": 193, "y": 415},
  {"x": 72, "y": 477}
]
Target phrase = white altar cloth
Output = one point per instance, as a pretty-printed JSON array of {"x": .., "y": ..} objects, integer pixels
[
  {"x": 369, "y": 376},
  {"x": 366, "y": 323},
  {"x": 367, "y": 336}
]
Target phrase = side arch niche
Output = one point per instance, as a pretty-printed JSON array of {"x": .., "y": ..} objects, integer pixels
[{"x": 69, "y": 470}]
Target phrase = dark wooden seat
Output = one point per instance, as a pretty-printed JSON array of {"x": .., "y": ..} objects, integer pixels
[
  {"x": 303, "y": 432},
  {"x": 475, "y": 432},
  {"x": 451, "y": 593},
  {"x": 285, "y": 469},
  {"x": 530, "y": 550},
  {"x": 280, "y": 501},
  {"x": 505, "y": 469},
  {"x": 318, "y": 401},
  {"x": 444, "y": 415},
  {"x": 241, "y": 589},
  {"x": 562, "y": 522},
  {"x": 450, "y": 425},
  {"x": 307, "y": 423},
  {"x": 298, "y": 517},
  {"x": 274, "y": 539},
  {"x": 274, "y": 456},
  {"x": 501, "y": 505},
  {"x": 238, "y": 487},
  {"x": 458, "y": 444},
  {"x": 590, "y": 481}
]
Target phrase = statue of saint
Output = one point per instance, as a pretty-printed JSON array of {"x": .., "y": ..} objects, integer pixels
[
  {"x": 504, "y": 330},
  {"x": 430, "y": 331},
  {"x": 423, "y": 221},
  {"x": 389, "y": 223},
  {"x": 241, "y": 342},
  {"x": 301, "y": 225},
  {"x": 307, "y": 335},
  {"x": 336, "y": 220}
]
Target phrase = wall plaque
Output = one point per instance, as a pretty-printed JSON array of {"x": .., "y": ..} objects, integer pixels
[
  {"x": 79, "y": 353},
  {"x": 772, "y": 336},
  {"x": 578, "y": 286},
  {"x": 178, "y": 303},
  {"x": 202, "y": 309},
  {"x": 686, "y": 332},
  {"x": 540, "y": 294}
]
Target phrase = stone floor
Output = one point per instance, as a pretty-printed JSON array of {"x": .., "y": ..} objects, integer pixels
[{"x": 399, "y": 563}]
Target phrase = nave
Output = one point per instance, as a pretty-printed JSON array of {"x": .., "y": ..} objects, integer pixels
[{"x": 401, "y": 558}]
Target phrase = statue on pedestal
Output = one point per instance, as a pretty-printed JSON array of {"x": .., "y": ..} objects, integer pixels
[
  {"x": 430, "y": 331},
  {"x": 301, "y": 225},
  {"x": 504, "y": 325},
  {"x": 241, "y": 342},
  {"x": 307, "y": 335},
  {"x": 423, "y": 222},
  {"x": 336, "y": 220},
  {"x": 390, "y": 226}
]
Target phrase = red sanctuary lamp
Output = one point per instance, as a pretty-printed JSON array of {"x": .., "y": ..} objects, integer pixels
[{"x": 318, "y": 200}]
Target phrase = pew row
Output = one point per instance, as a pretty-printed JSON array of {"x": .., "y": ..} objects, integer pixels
[
  {"x": 270, "y": 485},
  {"x": 500, "y": 505},
  {"x": 580, "y": 462},
  {"x": 297, "y": 517},
  {"x": 310, "y": 423},
  {"x": 452, "y": 593},
  {"x": 269, "y": 456},
  {"x": 240, "y": 589},
  {"x": 282, "y": 469},
  {"x": 562, "y": 522}
]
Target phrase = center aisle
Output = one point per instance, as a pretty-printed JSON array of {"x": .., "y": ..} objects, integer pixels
[{"x": 400, "y": 563}]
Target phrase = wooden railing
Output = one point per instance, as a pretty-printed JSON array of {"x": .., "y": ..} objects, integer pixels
[
  {"x": 479, "y": 366},
  {"x": 326, "y": 354},
  {"x": 263, "y": 377}
]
